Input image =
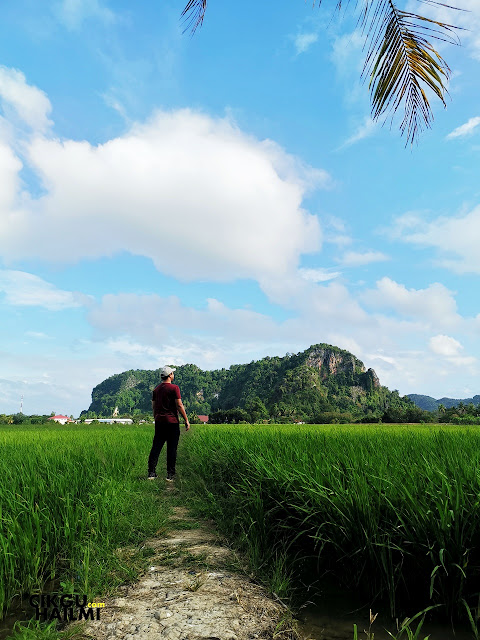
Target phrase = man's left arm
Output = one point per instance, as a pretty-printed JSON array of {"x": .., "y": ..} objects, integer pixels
[
  {"x": 181, "y": 408},
  {"x": 183, "y": 413}
]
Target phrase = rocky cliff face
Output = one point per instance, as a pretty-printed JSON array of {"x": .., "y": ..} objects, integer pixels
[
  {"x": 374, "y": 378},
  {"x": 330, "y": 361}
]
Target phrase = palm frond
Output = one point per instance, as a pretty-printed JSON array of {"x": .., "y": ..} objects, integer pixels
[
  {"x": 194, "y": 13},
  {"x": 403, "y": 64}
]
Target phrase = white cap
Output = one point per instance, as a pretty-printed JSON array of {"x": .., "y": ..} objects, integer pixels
[{"x": 166, "y": 371}]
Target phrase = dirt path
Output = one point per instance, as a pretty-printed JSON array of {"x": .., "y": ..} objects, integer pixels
[{"x": 192, "y": 592}]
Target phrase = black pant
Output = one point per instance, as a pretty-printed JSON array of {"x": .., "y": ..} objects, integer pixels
[{"x": 169, "y": 433}]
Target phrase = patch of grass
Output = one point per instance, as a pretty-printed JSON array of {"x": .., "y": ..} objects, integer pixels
[
  {"x": 185, "y": 525},
  {"x": 197, "y": 582},
  {"x": 172, "y": 557},
  {"x": 286, "y": 627},
  {"x": 147, "y": 552},
  {"x": 34, "y": 630}
]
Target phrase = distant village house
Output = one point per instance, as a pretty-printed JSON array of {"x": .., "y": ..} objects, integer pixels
[
  {"x": 110, "y": 420},
  {"x": 61, "y": 419}
]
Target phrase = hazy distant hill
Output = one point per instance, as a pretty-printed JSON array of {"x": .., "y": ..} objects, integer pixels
[
  {"x": 299, "y": 386},
  {"x": 431, "y": 404}
]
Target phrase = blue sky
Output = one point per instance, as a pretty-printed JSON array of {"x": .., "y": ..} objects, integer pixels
[{"x": 218, "y": 198}]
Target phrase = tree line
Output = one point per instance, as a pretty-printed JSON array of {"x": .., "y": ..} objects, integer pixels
[{"x": 255, "y": 412}]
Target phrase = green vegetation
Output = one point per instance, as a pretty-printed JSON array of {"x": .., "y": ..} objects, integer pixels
[
  {"x": 320, "y": 385},
  {"x": 430, "y": 404},
  {"x": 36, "y": 631},
  {"x": 131, "y": 391},
  {"x": 460, "y": 414},
  {"x": 21, "y": 418},
  {"x": 71, "y": 499},
  {"x": 452, "y": 410},
  {"x": 392, "y": 512}
]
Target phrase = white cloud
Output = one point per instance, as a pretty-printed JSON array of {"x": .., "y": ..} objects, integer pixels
[
  {"x": 229, "y": 335},
  {"x": 335, "y": 231},
  {"x": 357, "y": 259},
  {"x": 37, "y": 335},
  {"x": 450, "y": 348},
  {"x": 148, "y": 331},
  {"x": 125, "y": 346},
  {"x": 30, "y": 104},
  {"x": 435, "y": 304},
  {"x": 457, "y": 238},
  {"x": 340, "y": 239},
  {"x": 73, "y": 13},
  {"x": 424, "y": 372},
  {"x": 346, "y": 54},
  {"x": 304, "y": 41},
  {"x": 116, "y": 105},
  {"x": 153, "y": 318},
  {"x": 445, "y": 345},
  {"x": 348, "y": 57},
  {"x": 318, "y": 274},
  {"x": 388, "y": 359},
  {"x": 27, "y": 290},
  {"x": 404, "y": 224},
  {"x": 10, "y": 167},
  {"x": 319, "y": 313},
  {"x": 177, "y": 351},
  {"x": 466, "y": 129},
  {"x": 365, "y": 130},
  {"x": 193, "y": 193}
]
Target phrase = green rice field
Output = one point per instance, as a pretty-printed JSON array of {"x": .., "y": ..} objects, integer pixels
[
  {"x": 392, "y": 512},
  {"x": 70, "y": 497}
]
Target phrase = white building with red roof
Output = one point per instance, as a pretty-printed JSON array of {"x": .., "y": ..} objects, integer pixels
[{"x": 61, "y": 419}]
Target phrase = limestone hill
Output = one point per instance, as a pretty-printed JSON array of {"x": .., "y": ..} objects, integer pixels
[{"x": 308, "y": 385}]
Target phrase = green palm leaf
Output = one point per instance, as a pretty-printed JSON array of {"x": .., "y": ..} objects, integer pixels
[
  {"x": 401, "y": 62},
  {"x": 403, "y": 65}
]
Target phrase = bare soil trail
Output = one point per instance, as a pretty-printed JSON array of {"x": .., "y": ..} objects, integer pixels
[{"x": 192, "y": 590}]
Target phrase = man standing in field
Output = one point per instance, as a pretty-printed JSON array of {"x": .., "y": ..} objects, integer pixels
[{"x": 166, "y": 403}]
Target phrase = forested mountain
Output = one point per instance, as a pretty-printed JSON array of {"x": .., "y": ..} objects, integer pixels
[
  {"x": 431, "y": 404},
  {"x": 323, "y": 383}
]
